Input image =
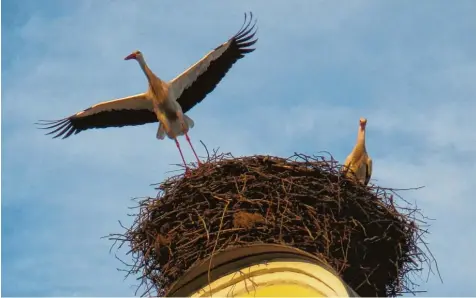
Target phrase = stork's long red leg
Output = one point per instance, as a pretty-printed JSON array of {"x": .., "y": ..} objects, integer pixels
[
  {"x": 181, "y": 155},
  {"x": 196, "y": 156},
  {"x": 185, "y": 130}
]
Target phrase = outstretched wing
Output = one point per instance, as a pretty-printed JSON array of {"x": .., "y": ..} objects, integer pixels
[
  {"x": 193, "y": 85},
  {"x": 132, "y": 110}
]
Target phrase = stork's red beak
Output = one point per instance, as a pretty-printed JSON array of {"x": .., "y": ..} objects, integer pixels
[{"x": 131, "y": 56}]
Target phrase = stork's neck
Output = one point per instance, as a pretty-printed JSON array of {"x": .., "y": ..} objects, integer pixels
[
  {"x": 361, "y": 136},
  {"x": 148, "y": 73}
]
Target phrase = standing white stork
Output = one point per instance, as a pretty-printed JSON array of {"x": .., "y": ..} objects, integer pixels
[
  {"x": 358, "y": 165},
  {"x": 163, "y": 102}
]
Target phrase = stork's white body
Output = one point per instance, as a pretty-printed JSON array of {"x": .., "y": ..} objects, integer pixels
[{"x": 358, "y": 164}]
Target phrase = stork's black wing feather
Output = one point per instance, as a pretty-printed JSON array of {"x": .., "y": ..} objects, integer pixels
[
  {"x": 238, "y": 46},
  {"x": 132, "y": 110},
  {"x": 114, "y": 118}
]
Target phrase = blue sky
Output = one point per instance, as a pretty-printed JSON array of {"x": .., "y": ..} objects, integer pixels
[{"x": 408, "y": 66}]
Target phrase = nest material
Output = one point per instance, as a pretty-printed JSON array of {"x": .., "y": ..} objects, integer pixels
[{"x": 301, "y": 201}]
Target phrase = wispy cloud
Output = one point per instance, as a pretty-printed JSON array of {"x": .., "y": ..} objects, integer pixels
[{"x": 319, "y": 66}]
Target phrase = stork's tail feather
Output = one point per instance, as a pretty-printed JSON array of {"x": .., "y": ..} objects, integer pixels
[
  {"x": 161, "y": 132},
  {"x": 188, "y": 121},
  {"x": 175, "y": 128}
]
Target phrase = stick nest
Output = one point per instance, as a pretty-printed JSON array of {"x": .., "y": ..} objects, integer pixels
[{"x": 300, "y": 201}]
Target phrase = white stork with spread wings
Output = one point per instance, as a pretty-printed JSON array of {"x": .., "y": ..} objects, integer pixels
[{"x": 163, "y": 102}]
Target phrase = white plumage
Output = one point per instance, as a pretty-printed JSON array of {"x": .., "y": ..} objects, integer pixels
[{"x": 358, "y": 164}]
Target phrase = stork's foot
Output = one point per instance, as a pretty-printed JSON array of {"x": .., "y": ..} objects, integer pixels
[{"x": 188, "y": 172}]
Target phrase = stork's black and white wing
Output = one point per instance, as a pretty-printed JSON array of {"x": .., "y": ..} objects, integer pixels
[
  {"x": 193, "y": 85},
  {"x": 132, "y": 110}
]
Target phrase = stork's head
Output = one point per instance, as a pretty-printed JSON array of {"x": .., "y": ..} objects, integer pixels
[
  {"x": 134, "y": 55},
  {"x": 363, "y": 123}
]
